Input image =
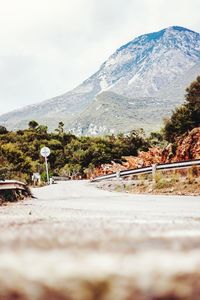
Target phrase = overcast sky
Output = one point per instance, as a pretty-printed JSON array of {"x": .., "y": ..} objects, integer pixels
[{"x": 47, "y": 47}]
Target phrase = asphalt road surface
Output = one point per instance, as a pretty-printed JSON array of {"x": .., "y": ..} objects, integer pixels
[{"x": 77, "y": 242}]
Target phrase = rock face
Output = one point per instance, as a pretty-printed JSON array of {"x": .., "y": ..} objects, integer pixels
[
  {"x": 138, "y": 85},
  {"x": 186, "y": 147}
]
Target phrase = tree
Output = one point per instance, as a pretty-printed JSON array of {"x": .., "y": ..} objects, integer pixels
[
  {"x": 3, "y": 130},
  {"x": 60, "y": 128},
  {"x": 42, "y": 129},
  {"x": 32, "y": 124},
  {"x": 156, "y": 138},
  {"x": 186, "y": 116},
  {"x": 193, "y": 93}
]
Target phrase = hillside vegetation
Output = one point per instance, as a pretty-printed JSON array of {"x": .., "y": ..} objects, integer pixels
[{"x": 70, "y": 155}]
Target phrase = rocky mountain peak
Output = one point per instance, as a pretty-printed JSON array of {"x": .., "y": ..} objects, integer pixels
[{"x": 151, "y": 71}]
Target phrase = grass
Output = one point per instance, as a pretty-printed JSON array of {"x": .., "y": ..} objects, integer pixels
[{"x": 164, "y": 181}]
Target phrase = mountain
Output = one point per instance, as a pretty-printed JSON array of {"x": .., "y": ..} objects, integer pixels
[{"x": 136, "y": 87}]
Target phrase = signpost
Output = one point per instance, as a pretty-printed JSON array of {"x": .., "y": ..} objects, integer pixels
[{"x": 45, "y": 152}]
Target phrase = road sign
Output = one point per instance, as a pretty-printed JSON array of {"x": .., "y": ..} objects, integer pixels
[{"x": 45, "y": 151}]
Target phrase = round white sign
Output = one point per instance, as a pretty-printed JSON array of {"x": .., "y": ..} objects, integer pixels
[{"x": 45, "y": 151}]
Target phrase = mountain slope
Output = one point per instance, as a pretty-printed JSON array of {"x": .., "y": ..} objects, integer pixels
[
  {"x": 109, "y": 111},
  {"x": 156, "y": 67}
]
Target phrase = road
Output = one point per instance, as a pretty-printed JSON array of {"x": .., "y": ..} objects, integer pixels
[{"x": 78, "y": 242}]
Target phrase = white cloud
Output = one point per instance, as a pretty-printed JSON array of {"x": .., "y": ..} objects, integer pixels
[{"x": 49, "y": 46}]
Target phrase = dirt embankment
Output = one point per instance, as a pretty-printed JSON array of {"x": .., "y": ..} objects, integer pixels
[{"x": 164, "y": 186}]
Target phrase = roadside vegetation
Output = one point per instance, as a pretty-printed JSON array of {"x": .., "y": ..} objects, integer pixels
[
  {"x": 70, "y": 155},
  {"x": 185, "y": 117}
]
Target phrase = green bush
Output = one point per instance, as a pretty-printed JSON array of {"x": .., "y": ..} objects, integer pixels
[{"x": 187, "y": 116}]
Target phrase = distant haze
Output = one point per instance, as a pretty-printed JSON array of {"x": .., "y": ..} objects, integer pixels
[{"x": 48, "y": 47}]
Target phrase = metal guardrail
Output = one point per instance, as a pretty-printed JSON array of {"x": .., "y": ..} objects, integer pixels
[
  {"x": 12, "y": 185},
  {"x": 60, "y": 178},
  {"x": 148, "y": 170}
]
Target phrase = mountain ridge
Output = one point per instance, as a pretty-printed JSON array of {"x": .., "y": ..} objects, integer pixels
[{"x": 145, "y": 67}]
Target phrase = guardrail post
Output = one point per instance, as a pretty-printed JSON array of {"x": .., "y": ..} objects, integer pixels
[
  {"x": 154, "y": 172},
  {"x": 118, "y": 175}
]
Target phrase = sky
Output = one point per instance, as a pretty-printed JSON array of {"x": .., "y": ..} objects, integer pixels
[{"x": 48, "y": 47}]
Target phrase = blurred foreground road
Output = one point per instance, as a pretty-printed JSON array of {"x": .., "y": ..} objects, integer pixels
[{"x": 77, "y": 242}]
